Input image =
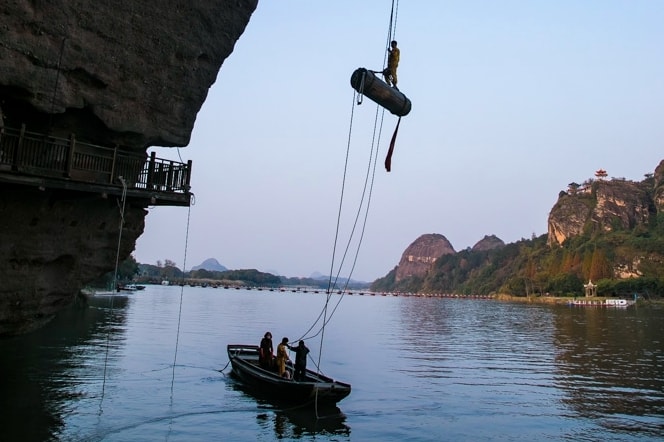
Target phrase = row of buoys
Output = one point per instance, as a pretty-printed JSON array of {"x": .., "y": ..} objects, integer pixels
[
  {"x": 363, "y": 293},
  {"x": 339, "y": 292}
]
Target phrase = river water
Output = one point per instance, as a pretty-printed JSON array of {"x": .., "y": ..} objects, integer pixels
[{"x": 422, "y": 369}]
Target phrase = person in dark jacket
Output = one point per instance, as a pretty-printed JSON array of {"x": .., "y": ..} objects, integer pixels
[
  {"x": 301, "y": 352},
  {"x": 266, "y": 356}
]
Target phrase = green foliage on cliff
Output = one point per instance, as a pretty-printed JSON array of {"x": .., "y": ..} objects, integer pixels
[
  {"x": 531, "y": 267},
  {"x": 127, "y": 270}
]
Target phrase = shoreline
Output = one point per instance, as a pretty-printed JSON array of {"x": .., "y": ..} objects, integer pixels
[{"x": 567, "y": 300}]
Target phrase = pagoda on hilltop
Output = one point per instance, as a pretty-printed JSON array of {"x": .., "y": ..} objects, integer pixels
[{"x": 600, "y": 174}]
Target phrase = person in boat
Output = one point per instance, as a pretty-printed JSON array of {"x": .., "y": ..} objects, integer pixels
[
  {"x": 301, "y": 352},
  {"x": 266, "y": 355},
  {"x": 282, "y": 356},
  {"x": 390, "y": 72}
]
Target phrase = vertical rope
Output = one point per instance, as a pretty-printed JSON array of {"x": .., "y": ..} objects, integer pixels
[
  {"x": 341, "y": 199},
  {"x": 336, "y": 233},
  {"x": 391, "y": 29},
  {"x": 184, "y": 266},
  {"x": 115, "y": 284},
  {"x": 371, "y": 173},
  {"x": 55, "y": 87}
]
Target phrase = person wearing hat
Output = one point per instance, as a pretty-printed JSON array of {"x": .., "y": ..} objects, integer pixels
[{"x": 282, "y": 356}]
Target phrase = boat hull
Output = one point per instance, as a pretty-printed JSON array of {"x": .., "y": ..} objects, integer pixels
[{"x": 315, "y": 389}]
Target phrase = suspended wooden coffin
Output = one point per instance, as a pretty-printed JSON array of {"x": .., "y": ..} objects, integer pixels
[{"x": 365, "y": 82}]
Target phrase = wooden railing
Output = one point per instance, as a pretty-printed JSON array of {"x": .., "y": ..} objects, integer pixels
[{"x": 32, "y": 153}]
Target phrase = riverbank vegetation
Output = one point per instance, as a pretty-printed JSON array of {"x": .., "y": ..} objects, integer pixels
[{"x": 620, "y": 263}]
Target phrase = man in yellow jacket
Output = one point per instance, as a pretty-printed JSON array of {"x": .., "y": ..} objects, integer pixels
[
  {"x": 390, "y": 72},
  {"x": 282, "y": 356}
]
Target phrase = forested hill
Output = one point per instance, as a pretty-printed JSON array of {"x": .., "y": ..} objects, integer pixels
[{"x": 610, "y": 231}]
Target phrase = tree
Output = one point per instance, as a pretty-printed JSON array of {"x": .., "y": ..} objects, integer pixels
[
  {"x": 600, "y": 267},
  {"x": 573, "y": 188},
  {"x": 127, "y": 269}
]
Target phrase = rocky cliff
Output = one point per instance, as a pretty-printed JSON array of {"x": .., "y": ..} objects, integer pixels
[
  {"x": 658, "y": 183},
  {"x": 610, "y": 231},
  {"x": 606, "y": 205},
  {"x": 418, "y": 258},
  {"x": 114, "y": 73}
]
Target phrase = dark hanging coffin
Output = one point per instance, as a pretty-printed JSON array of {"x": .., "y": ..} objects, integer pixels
[{"x": 365, "y": 82}]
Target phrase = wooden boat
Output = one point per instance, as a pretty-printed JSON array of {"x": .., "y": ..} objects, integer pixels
[{"x": 315, "y": 390}]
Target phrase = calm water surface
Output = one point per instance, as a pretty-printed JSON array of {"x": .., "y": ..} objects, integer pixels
[{"x": 421, "y": 369}]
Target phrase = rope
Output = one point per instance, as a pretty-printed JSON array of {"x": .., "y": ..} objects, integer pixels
[
  {"x": 55, "y": 87},
  {"x": 392, "y": 28},
  {"x": 368, "y": 183},
  {"x": 177, "y": 336},
  {"x": 371, "y": 172},
  {"x": 115, "y": 283}
]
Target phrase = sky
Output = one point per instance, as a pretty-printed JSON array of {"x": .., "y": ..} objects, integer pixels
[{"x": 511, "y": 101}]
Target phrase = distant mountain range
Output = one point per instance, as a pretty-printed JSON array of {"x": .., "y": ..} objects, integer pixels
[{"x": 212, "y": 265}]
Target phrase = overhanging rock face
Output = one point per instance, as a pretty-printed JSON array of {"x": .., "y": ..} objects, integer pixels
[
  {"x": 135, "y": 72},
  {"x": 132, "y": 73}
]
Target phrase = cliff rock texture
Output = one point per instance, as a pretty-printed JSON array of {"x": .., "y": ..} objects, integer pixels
[
  {"x": 605, "y": 206},
  {"x": 418, "y": 258},
  {"x": 125, "y": 72},
  {"x": 60, "y": 242},
  {"x": 608, "y": 231},
  {"x": 130, "y": 73},
  {"x": 658, "y": 195}
]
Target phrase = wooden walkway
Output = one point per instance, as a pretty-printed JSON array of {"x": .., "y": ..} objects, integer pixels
[{"x": 29, "y": 158}]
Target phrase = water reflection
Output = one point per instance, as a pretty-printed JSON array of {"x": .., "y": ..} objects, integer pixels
[
  {"x": 421, "y": 369},
  {"x": 609, "y": 366},
  {"x": 295, "y": 424},
  {"x": 42, "y": 372},
  {"x": 290, "y": 422}
]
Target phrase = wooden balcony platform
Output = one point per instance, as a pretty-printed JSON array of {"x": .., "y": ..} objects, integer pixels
[{"x": 45, "y": 162}]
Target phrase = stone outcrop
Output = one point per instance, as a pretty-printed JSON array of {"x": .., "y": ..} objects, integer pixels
[
  {"x": 59, "y": 242},
  {"x": 568, "y": 218},
  {"x": 489, "y": 242},
  {"x": 419, "y": 257},
  {"x": 658, "y": 194},
  {"x": 129, "y": 73},
  {"x": 133, "y": 73},
  {"x": 606, "y": 206}
]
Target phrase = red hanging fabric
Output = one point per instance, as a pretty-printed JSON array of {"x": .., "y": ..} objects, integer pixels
[{"x": 388, "y": 158}]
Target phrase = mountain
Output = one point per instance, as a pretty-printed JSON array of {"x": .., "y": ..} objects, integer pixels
[
  {"x": 610, "y": 231},
  {"x": 489, "y": 242},
  {"x": 210, "y": 264},
  {"x": 317, "y": 275},
  {"x": 416, "y": 260}
]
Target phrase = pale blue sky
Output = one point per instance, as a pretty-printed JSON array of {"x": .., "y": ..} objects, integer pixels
[{"x": 512, "y": 100}]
